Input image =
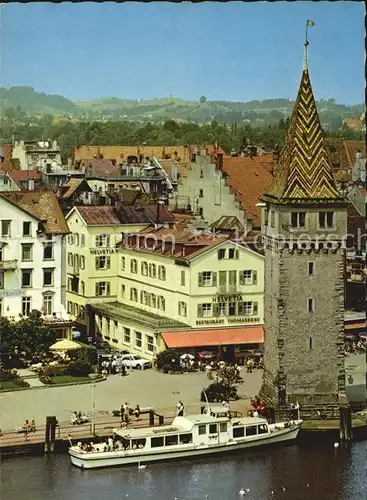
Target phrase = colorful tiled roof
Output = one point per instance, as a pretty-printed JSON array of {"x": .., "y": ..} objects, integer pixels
[
  {"x": 41, "y": 205},
  {"x": 303, "y": 173},
  {"x": 249, "y": 178},
  {"x": 24, "y": 175}
]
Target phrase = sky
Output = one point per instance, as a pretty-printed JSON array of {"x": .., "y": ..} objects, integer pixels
[{"x": 229, "y": 51}]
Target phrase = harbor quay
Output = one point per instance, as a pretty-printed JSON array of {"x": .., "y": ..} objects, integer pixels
[{"x": 149, "y": 388}]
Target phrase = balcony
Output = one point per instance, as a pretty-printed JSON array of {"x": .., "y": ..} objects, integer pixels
[{"x": 8, "y": 265}]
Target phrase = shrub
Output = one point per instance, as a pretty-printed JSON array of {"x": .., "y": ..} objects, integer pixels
[
  {"x": 79, "y": 369},
  {"x": 45, "y": 379},
  {"x": 168, "y": 359},
  {"x": 53, "y": 371},
  {"x": 6, "y": 375},
  {"x": 88, "y": 351},
  {"x": 218, "y": 392}
]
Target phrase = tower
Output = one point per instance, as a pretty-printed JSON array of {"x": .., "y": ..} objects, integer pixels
[{"x": 304, "y": 227}]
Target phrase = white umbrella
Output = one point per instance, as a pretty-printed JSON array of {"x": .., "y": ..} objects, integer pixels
[
  {"x": 65, "y": 345},
  {"x": 187, "y": 356}
]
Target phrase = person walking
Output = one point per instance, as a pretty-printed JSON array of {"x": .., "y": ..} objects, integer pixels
[{"x": 137, "y": 412}]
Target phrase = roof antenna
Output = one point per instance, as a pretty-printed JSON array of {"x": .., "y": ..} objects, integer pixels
[{"x": 306, "y": 44}]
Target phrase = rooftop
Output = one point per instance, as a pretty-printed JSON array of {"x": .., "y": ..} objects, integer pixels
[
  {"x": 124, "y": 214},
  {"x": 41, "y": 205},
  {"x": 72, "y": 185},
  {"x": 249, "y": 178},
  {"x": 303, "y": 173},
  {"x": 24, "y": 175}
]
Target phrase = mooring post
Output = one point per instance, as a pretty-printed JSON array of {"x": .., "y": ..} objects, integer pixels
[
  {"x": 47, "y": 434},
  {"x": 345, "y": 419},
  {"x": 53, "y": 423}
]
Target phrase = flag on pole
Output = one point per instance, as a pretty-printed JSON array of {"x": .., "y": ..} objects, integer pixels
[{"x": 310, "y": 23}]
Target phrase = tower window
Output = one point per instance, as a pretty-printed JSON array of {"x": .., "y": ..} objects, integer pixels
[
  {"x": 311, "y": 305},
  {"x": 310, "y": 343},
  {"x": 298, "y": 219},
  {"x": 326, "y": 219},
  {"x": 201, "y": 193},
  {"x": 272, "y": 218},
  {"x": 311, "y": 268}
]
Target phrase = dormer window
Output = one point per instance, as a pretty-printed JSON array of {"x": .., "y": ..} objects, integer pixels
[{"x": 298, "y": 219}]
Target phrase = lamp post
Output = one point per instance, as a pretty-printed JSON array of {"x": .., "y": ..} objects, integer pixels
[{"x": 93, "y": 424}]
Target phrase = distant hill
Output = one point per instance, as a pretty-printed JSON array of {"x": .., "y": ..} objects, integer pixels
[{"x": 267, "y": 111}]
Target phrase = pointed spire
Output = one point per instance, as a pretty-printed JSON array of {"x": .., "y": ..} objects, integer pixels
[
  {"x": 305, "y": 62},
  {"x": 304, "y": 174}
]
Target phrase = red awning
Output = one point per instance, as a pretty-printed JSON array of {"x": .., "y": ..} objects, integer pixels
[
  {"x": 354, "y": 326},
  {"x": 214, "y": 337}
]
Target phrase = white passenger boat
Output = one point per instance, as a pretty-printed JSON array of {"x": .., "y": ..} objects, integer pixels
[{"x": 213, "y": 432}]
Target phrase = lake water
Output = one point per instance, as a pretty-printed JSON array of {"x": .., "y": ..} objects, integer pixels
[{"x": 306, "y": 472}]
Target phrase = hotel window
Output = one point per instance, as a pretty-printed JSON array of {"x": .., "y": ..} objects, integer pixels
[
  {"x": 70, "y": 259},
  {"x": 134, "y": 266},
  {"x": 5, "y": 227},
  {"x": 102, "y": 288},
  {"x": 123, "y": 291},
  {"x": 69, "y": 284},
  {"x": 103, "y": 262},
  {"x": 123, "y": 261},
  {"x": 152, "y": 271},
  {"x": 204, "y": 310},
  {"x": 76, "y": 239},
  {"x": 82, "y": 262},
  {"x": 27, "y": 277},
  {"x": 48, "y": 277},
  {"x": 70, "y": 239},
  {"x": 108, "y": 326},
  {"x": 150, "y": 343},
  {"x": 102, "y": 240},
  {"x": 1, "y": 253},
  {"x": 27, "y": 251},
  {"x": 326, "y": 220},
  {"x": 231, "y": 308},
  {"x": 138, "y": 340},
  {"x": 298, "y": 219},
  {"x": 248, "y": 277},
  {"x": 201, "y": 193},
  {"x": 232, "y": 253},
  {"x": 82, "y": 240},
  {"x": 26, "y": 306},
  {"x": 26, "y": 229},
  {"x": 127, "y": 335},
  {"x": 207, "y": 278},
  {"x": 182, "y": 308},
  {"x": 82, "y": 288},
  {"x": 133, "y": 294},
  {"x": 144, "y": 268},
  {"x": 311, "y": 268},
  {"x": 1, "y": 281},
  {"x": 153, "y": 300},
  {"x": 220, "y": 309},
  {"x": 48, "y": 305},
  {"x": 161, "y": 303},
  {"x": 48, "y": 253},
  {"x": 245, "y": 308},
  {"x": 183, "y": 278},
  {"x": 222, "y": 254},
  {"x": 1, "y": 307},
  {"x": 311, "y": 305},
  {"x": 162, "y": 273}
]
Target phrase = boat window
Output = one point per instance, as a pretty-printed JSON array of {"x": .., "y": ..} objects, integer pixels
[
  {"x": 125, "y": 443},
  {"x": 213, "y": 428},
  {"x": 185, "y": 438},
  {"x": 138, "y": 443},
  {"x": 202, "y": 429},
  {"x": 157, "y": 441},
  {"x": 171, "y": 440},
  {"x": 223, "y": 427},
  {"x": 238, "y": 432},
  {"x": 251, "y": 430},
  {"x": 262, "y": 429}
]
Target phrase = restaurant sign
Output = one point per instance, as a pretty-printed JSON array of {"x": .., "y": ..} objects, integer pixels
[
  {"x": 210, "y": 322},
  {"x": 242, "y": 319}
]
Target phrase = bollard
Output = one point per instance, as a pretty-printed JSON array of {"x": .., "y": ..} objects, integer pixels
[
  {"x": 53, "y": 423},
  {"x": 47, "y": 434}
]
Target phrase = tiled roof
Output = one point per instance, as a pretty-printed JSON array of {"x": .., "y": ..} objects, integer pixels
[
  {"x": 24, "y": 175},
  {"x": 8, "y": 163},
  {"x": 123, "y": 215},
  {"x": 342, "y": 153},
  {"x": 303, "y": 173},
  {"x": 99, "y": 167},
  {"x": 72, "y": 185},
  {"x": 227, "y": 223},
  {"x": 41, "y": 205},
  {"x": 249, "y": 178}
]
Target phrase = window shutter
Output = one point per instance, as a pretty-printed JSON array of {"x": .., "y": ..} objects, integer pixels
[
  {"x": 214, "y": 279},
  {"x": 216, "y": 310},
  {"x": 96, "y": 289},
  {"x": 108, "y": 289},
  {"x": 201, "y": 282},
  {"x": 242, "y": 278},
  {"x": 255, "y": 308},
  {"x": 97, "y": 262},
  {"x": 237, "y": 253},
  {"x": 108, "y": 262},
  {"x": 254, "y": 277},
  {"x": 200, "y": 311},
  {"x": 107, "y": 240}
]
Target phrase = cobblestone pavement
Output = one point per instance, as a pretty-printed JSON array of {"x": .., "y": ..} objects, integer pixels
[{"x": 147, "y": 388}]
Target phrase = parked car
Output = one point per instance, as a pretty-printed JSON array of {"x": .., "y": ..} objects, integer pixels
[{"x": 133, "y": 361}]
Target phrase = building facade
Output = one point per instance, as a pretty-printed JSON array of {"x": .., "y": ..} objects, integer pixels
[
  {"x": 37, "y": 155},
  {"x": 304, "y": 223},
  {"x": 32, "y": 256}
]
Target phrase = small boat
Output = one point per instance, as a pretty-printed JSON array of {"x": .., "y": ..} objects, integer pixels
[{"x": 213, "y": 432}]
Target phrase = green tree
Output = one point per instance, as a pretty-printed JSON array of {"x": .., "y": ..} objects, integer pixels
[{"x": 202, "y": 99}]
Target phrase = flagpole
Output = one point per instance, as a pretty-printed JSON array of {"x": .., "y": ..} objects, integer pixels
[{"x": 305, "y": 64}]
